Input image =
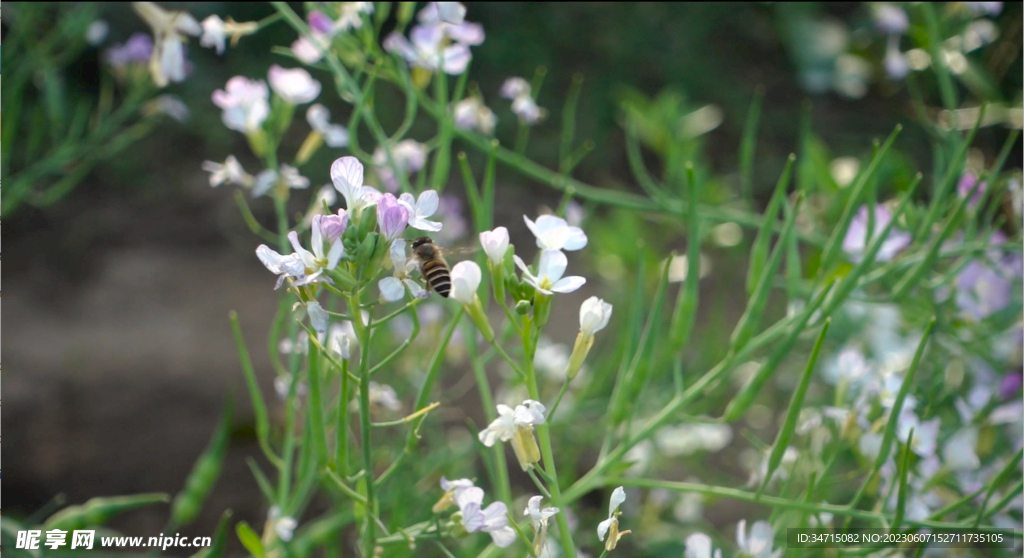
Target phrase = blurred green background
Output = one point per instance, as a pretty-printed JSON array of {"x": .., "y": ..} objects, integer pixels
[{"x": 121, "y": 347}]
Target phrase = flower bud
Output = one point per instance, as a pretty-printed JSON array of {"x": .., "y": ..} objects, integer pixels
[
  {"x": 524, "y": 444},
  {"x": 523, "y": 307},
  {"x": 465, "y": 282},
  {"x": 309, "y": 146}
]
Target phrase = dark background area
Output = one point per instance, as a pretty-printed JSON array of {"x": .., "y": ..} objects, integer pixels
[{"x": 119, "y": 347}]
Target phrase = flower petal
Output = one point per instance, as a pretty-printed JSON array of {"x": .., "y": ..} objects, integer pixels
[
  {"x": 426, "y": 204},
  {"x": 568, "y": 284},
  {"x": 552, "y": 265},
  {"x": 618, "y": 497},
  {"x": 347, "y": 175},
  {"x": 391, "y": 289}
]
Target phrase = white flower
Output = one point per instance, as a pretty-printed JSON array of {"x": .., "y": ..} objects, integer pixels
[
  {"x": 594, "y": 315},
  {"x": 384, "y": 395},
  {"x": 495, "y": 244},
  {"x": 517, "y": 425},
  {"x": 492, "y": 519},
  {"x": 347, "y": 175},
  {"x": 318, "y": 317},
  {"x": 408, "y": 157},
  {"x": 283, "y": 526},
  {"x": 472, "y": 114},
  {"x": 465, "y": 282},
  {"x": 231, "y": 172},
  {"x": 304, "y": 266},
  {"x": 761, "y": 540},
  {"x": 295, "y": 86},
  {"x": 686, "y": 439},
  {"x": 523, "y": 104},
  {"x": 168, "y": 60},
  {"x": 96, "y": 33},
  {"x": 539, "y": 519},
  {"x": 341, "y": 338},
  {"x": 393, "y": 288},
  {"x": 515, "y": 87},
  {"x": 213, "y": 33},
  {"x": 351, "y": 15},
  {"x": 244, "y": 102},
  {"x": 319, "y": 118},
  {"x": 554, "y": 233},
  {"x": 419, "y": 209},
  {"x": 698, "y": 545},
  {"x": 958, "y": 453},
  {"x": 549, "y": 274},
  {"x": 426, "y": 49},
  {"x": 268, "y": 178},
  {"x": 610, "y": 527},
  {"x": 309, "y": 51},
  {"x": 451, "y": 488},
  {"x": 447, "y": 12},
  {"x": 926, "y": 433}
]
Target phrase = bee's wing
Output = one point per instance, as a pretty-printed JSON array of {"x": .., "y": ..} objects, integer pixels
[{"x": 460, "y": 251}]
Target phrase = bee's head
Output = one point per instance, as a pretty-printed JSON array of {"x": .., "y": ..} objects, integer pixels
[{"x": 421, "y": 241}]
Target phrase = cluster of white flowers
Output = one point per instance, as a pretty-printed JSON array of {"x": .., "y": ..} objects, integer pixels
[
  {"x": 440, "y": 41},
  {"x": 523, "y": 104}
]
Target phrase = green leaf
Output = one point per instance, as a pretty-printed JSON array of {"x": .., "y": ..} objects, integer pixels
[
  {"x": 189, "y": 502},
  {"x": 835, "y": 241},
  {"x": 249, "y": 539},
  {"x": 759, "y": 250},
  {"x": 739, "y": 405},
  {"x": 259, "y": 407},
  {"x": 749, "y": 142},
  {"x": 220, "y": 538},
  {"x": 689, "y": 295},
  {"x": 793, "y": 414},
  {"x": 901, "y": 494},
  {"x": 751, "y": 317},
  {"x": 98, "y": 511}
]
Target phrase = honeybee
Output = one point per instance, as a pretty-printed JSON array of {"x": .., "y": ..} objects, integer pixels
[{"x": 432, "y": 265}]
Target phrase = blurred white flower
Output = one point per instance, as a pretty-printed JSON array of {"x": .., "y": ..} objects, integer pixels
[
  {"x": 244, "y": 103},
  {"x": 760, "y": 542},
  {"x": 96, "y": 33},
  {"x": 167, "y": 63},
  {"x": 295, "y": 86},
  {"x": 523, "y": 104},
  {"x": 383, "y": 395},
  {"x": 318, "y": 317},
  {"x": 408, "y": 156},
  {"x": 548, "y": 279},
  {"x": 472, "y": 114},
  {"x": 319, "y": 118},
  {"x": 554, "y": 233},
  {"x": 269, "y": 178},
  {"x": 686, "y": 439},
  {"x": 216, "y": 31},
  {"x": 451, "y": 488},
  {"x": 609, "y": 528},
  {"x": 420, "y": 208},
  {"x": 427, "y": 50},
  {"x": 959, "y": 453},
  {"x": 896, "y": 64},
  {"x": 284, "y": 526},
  {"x": 230, "y": 171},
  {"x": 698, "y": 545},
  {"x": 890, "y": 19},
  {"x": 551, "y": 358}
]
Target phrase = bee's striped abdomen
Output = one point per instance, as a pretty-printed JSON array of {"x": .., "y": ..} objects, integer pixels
[{"x": 438, "y": 276}]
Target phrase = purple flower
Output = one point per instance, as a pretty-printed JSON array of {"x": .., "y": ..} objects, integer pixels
[
  {"x": 320, "y": 23},
  {"x": 985, "y": 8},
  {"x": 890, "y": 19},
  {"x": 392, "y": 217},
  {"x": 428, "y": 51},
  {"x": 856, "y": 242},
  {"x": 1010, "y": 386},
  {"x": 966, "y": 184},
  {"x": 333, "y": 226},
  {"x": 137, "y": 50},
  {"x": 981, "y": 290},
  {"x": 896, "y": 64}
]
